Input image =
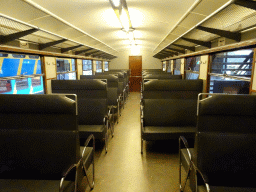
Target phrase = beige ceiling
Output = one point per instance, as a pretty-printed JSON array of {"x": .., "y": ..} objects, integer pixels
[{"x": 93, "y": 22}]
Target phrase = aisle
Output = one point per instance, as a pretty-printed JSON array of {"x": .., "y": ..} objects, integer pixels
[{"x": 124, "y": 169}]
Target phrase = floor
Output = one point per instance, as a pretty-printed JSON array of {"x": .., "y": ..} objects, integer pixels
[{"x": 125, "y": 169}]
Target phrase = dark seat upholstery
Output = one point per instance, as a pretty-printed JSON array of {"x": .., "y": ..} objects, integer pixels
[
  {"x": 162, "y": 76},
  {"x": 122, "y": 84},
  {"x": 174, "y": 89},
  {"x": 37, "y": 149},
  {"x": 224, "y": 142},
  {"x": 92, "y": 105},
  {"x": 165, "y": 119},
  {"x": 227, "y": 159},
  {"x": 41, "y": 112},
  {"x": 169, "y": 106},
  {"x": 112, "y": 93}
]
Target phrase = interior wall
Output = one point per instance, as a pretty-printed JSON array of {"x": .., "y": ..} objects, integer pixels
[{"x": 148, "y": 61}]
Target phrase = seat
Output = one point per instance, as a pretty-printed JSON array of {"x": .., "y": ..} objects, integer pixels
[
  {"x": 223, "y": 144},
  {"x": 93, "y": 119},
  {"x": 92, "y": 106},
  {"x": 112, "y": 93},
  {"x": 121, "y": 85},
  {"x": 164, "y": 119},
  {"x": 42, "y": 160},
  {"x": 169, "y": 117},
  {"x": 227, "y": 160},
  {"x": 172, "y": 89},
  {"x": 39, "y": 144}
]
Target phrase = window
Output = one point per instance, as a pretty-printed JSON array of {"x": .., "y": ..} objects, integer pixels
[
  {"x": 231, "y": 72},
  {"x": 18, "y": 74},
  {"x": 66, "y": 69},
  {"x": 164, "y": 66},
  {"x": 192, "y": 67},
  {"x": 87, "y": 67},
  {"x": 99, "y": 66},
  {"x": 176, "y": 66},
  {"x": 106, "y": 66},
  {"x": 169, "y": 67}
]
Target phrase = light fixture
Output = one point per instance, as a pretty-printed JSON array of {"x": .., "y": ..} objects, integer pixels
[
  {"x": 121, "y": 11},
  {"x": 124, "y": 19},
  {"x": 130, "y": 36},
  {"x": 116, "y": 3}
]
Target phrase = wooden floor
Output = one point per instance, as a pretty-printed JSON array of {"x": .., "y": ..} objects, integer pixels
[{"x": 124, "y": 169}]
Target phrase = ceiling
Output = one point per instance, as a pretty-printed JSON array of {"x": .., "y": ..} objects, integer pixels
[{"x": 93, "y": 23}]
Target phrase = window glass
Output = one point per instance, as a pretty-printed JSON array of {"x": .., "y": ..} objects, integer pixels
[
  {"x": 66, "y": 76},
  {"x": 164, "y": 66},
  {"x": 236, "y": 63},
  {"x": 13, "y": 71},
  {"x": 192, "y": 67},
  {"x": 99, "y": 66},
  {"x": 3, "y": 54},
  {"x": 63, "y": 65},
  {"x": 169, "y": 67},
  {"x": 193, "y": 63},
  {"x": 28, "y": 67},
  {"x": 231, "y": 72},
  {"x": 106, "y": 66},
  {"x": 192, "y": 75},
  {"x": 18, "y": 56},
  {"x": 34, "y": 56},
  {"x": 87, "y": 67},
  {"x": 66, "y": 69},
  {"x": 177, "y": 65},
  {"x": 73, "y": 64},
  {"x": 9, "y": 67}
]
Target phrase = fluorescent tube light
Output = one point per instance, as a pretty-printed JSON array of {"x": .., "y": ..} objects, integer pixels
[{"x": 125, "y": 20}]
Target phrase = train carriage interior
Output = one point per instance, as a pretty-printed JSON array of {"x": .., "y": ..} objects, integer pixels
[{"x": 125, "y": 95}]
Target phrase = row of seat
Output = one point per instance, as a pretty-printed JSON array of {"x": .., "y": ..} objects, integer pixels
[
  {"x": 168, "y": 109},
  {"x": 42, "y": 145},
  {"x": 40, "y": 148},
  {"x": 100, "y": 98},
  {"x": 224, "y": 155}
]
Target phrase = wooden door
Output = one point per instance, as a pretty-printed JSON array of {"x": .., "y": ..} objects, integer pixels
[{"x": 135, "y": 65}]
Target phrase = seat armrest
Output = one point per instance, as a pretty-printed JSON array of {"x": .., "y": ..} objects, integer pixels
[
  {"x": 73, "y": 166},
  {"x": 141, "y": 117},
  {"x": 183, "y": 140},
  {"x": 185, "y": 143},
  {"x": 86, "y": 143},
  {"x": 105, "y": 120},
  {"x": 203, "y": 176}
]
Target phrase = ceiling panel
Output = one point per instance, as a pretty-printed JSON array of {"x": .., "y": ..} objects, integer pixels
[
  {"x": 179, "y": 30},
  {"x": 191, "y": 20},
  {"x": 70, "y": 33},
  {"x": 9, "y": 26},
  {"x": 232, "y": 14},
  {"x": 20, "y": 10},
  {"x": 50, "y": 24},
  {"x": 206, "y": 7}
]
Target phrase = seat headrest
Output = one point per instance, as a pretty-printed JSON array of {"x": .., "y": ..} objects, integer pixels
[
  {"x": 90, "y": 84},
  {"x": 41, "y": 104},
  {"x": 241, "y": 105},
  {"x": 108, "y": 77},
  {"x": 174, "y": 85}
]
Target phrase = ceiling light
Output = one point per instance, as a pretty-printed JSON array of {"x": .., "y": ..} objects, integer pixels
[
  {"x": 125, "y": 20},
  {"x": 130, "y": 35},
  {"x": 116, "y": 3}
]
